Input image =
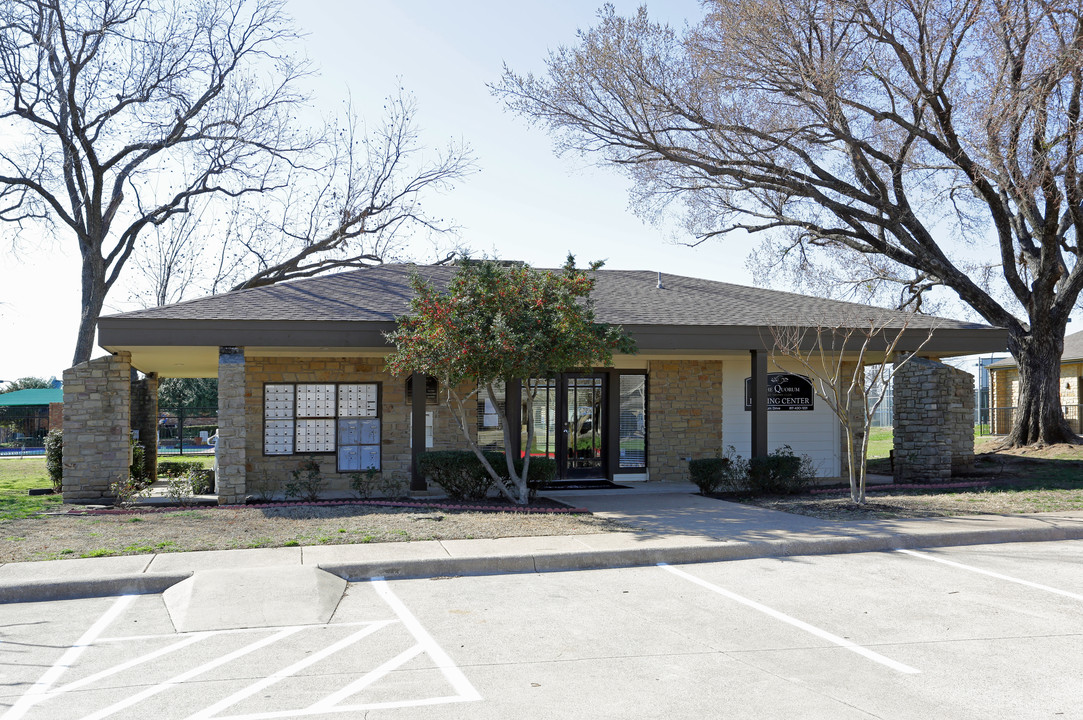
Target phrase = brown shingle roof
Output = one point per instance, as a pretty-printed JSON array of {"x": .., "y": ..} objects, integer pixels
[
  {"x": 625, "y": 297},
  {"x": 1073, "y": 352}
]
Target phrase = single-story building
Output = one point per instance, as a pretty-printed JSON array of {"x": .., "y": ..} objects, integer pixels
[
  {"x": 27, "y": 416},
  {"x": 1004, "y": 387},
  {"x": 302, "y": 374}
]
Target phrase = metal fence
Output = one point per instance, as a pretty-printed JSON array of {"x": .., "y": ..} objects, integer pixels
[
  {"x": 186, "y": 431},
  {"x": 23, "y": 430},
  {"x": 998, "y": 420}
]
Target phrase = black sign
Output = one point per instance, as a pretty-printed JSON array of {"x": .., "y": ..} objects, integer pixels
[{"x": 785, "y": 391}]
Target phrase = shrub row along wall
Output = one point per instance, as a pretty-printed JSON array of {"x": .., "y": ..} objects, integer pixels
[{"x": 934, "y": 421}]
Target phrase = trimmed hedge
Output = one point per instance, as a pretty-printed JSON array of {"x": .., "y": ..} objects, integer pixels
[
  {"x": 710, "y": 474},
  {"x": 458, "y": 472},
  {"x": 463, "y": 477},
  {"x": 175, "y": 468},
  {"x": 780, "y": 473}
]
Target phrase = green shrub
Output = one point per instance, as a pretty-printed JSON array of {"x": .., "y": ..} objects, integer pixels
[
  {"x": 202, "y": 480},
  {"x": 174, "y": 468},
  {"x": 364, "y": 483},
  {"x": 54, "y": 458},
  {"x": 709, "y": 474},
  {"x": 126, "y": 490},
  {"x": 542, "y": 470},
  {"x": 780, "y": 473},
  {"x": 138, "y": 469},
  {"x": 307, "y": 482},
  {"x": 458, "y": 472}
]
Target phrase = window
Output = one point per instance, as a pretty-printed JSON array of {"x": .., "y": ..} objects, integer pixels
[
  {"x": 633, "y": 422},
  {"x": 340, "y": 418}
]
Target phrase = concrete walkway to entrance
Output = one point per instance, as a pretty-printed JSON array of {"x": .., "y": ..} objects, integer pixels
[{"x": 668, "y": 523}]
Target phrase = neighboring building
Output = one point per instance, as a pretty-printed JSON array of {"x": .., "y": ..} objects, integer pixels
[
  {"x": 1004, "y": 387},
  {"x": 301, "y": 374},
  {"x": 27, "y": 416}
]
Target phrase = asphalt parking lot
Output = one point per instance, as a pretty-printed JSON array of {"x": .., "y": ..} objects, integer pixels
[{"x": 966, "y": 632}]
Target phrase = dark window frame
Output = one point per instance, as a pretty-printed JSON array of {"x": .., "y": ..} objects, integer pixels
[{"x": 333, "y": 418}]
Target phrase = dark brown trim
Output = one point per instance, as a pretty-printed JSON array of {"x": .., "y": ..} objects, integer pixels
[
  {"x": 759, "y": 403},
  {"x": 334, "y": 419},
  {"x": 615, "y": 392},
  {"x": 417, "y": 431},
  {"x": 513, "y": 414},
  {"x": 119, "y": 333},
  {"x": 612, "y": 423}
]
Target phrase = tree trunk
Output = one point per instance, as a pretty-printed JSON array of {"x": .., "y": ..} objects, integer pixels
[
  {"x": 1039, "y": 417},
  {"x": 93, "y": 297}
]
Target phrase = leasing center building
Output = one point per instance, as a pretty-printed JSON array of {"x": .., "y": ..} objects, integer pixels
[{"x": 301, "y": 371}]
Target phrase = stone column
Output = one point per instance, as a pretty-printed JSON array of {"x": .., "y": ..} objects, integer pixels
[
  {"x": 145, "y": 419},
  {"x": 97, "y": 422},
  {"x": 934, "y": 421},
  {"x": 231, "y": 451}
]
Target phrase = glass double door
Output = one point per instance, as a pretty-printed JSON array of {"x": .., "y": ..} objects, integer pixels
[{"x": 569, "y": 413}]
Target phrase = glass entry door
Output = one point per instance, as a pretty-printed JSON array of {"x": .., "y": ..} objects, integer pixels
[
  {"x": 569, "y": 423},
  {"x": 583, "y": 441}
]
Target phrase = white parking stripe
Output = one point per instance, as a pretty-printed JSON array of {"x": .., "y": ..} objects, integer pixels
[
  {"x": 293, "y": 669},
  {"x": 990, "y": 573},
  {"x": 823, "y": 634},
  {"x": 443, "y": 661},
  {"x": 189, "y": 674},
  {"x": 40, "y": 690}
]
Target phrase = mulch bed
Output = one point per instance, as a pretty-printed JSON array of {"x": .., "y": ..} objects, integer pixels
[{"x": 539, "y": 505}]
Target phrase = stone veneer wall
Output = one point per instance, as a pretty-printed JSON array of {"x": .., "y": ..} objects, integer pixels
[
  {"x": 684, "y": 415},
  {"x": 934, "y": 421},
  {"x": 395, "y": 412},
  {"x": 232, "y": 452},
  {"x": 145, "y": 419},
  {"x": 97, "y": 422}
]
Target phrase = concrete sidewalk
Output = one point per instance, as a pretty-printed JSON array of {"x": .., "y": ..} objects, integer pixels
[{"x": 671, "y": 524}]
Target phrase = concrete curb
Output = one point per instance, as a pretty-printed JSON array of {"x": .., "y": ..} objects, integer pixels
[
  {"x": 680, "y": 554},
  {"x": 101, "y": 586},
  {"x": 40, "y": 590}
]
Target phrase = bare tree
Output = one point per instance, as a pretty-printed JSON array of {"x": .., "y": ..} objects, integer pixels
[
  {"x": 357, "y": 202},
  {"x": 360, "y": 209},
  {"x": 120, "y": 114},
  {"x": 882, "y": 128},
  {"x": 839, "y": 359}
]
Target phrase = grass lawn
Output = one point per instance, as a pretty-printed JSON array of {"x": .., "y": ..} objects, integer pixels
[
  {"x": 881, "y": 441},
  {"x": 17, "y": 475}
]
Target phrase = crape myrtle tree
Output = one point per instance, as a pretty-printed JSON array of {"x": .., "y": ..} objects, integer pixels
[
  {"x": 496, "y": 322},
  {"x": 931, "y": 137},
  {"x": 836, "y": 356},
  {"x": 119, "y": 117}
]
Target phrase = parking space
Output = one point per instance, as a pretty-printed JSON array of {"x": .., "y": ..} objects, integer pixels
[
  {"x": 974, "y": 632},
  {"x": 130, "y": 663}
]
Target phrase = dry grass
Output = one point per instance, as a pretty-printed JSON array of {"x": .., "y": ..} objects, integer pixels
[{"x": 66, "y": 536}]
